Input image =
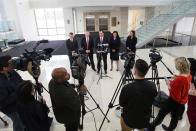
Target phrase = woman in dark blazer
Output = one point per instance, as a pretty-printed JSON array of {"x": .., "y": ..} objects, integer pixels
[
  {"x": 131, "y": 42},
  {"x": 114, "y": 45}
]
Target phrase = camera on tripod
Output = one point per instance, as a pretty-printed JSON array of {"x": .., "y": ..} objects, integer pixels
[
  {"x": 31, "y": 60},
  {"x": 79, "y": 65},
  {"x": 155, "y": 55},
  {"x": 129, "y": 58},
  {"x": 21, "y": 63}
]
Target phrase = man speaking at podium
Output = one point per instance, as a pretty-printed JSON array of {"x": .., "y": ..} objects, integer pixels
[{"x": 101, "y": 49}]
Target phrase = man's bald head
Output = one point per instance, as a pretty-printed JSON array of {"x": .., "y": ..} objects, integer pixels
[{"x": 60, "y": 75}]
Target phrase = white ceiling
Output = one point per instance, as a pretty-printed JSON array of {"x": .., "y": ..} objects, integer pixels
[{"x": 79, "y": 3}]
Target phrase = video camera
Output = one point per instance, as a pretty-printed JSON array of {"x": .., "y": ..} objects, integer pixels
[
  {"x": 79, "y": 65},
  {"x": 21, "y": 63},
  {"x": 129, "y": 58},
  {"x": 155, "y": 56},
  {"x": 31, "y": 60}
]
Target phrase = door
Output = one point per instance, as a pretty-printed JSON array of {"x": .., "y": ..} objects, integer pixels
[{"x": 97, "y": 21}]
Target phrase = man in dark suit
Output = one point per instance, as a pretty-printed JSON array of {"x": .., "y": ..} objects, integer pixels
[
  {"x": 88, "y": 45},
  {"x": 72, "y": 46},
  {"x": 100, "y": 42}
]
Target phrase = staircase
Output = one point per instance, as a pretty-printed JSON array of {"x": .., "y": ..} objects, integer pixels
[{"x": 163, "y": 21}]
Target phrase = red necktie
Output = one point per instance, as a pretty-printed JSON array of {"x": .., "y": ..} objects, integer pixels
[
  {"x": 87, "y": 42},
  {"x": 102, "y": 40}
]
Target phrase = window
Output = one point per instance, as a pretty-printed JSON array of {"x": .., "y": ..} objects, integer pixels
[
  {"x": 103, "y": 23},
  {"x": 90, "y": 23},
  {"x": 50, "y": 23}
]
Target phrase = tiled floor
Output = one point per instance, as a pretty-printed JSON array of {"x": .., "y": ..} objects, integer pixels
[{"x": 103, "y": 91}]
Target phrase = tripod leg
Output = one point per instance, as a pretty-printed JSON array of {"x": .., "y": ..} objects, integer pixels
[
  {"x": 83, "y": 112},
  {"x": 100, "y": 67},
  {"x": 153, "y": 75},
  {"x": 131, "y": 76},
  {"x": 113, "y": 97},
  {"x": 167, "y": 68},
  {"x": 5, "y": 122},
  {"x": 98, "y": 106},
  {"x": 158, "y": 82},
  {"x": 104, "y": 119}
]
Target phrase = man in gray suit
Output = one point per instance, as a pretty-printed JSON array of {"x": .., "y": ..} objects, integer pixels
[{"x": 65, "y": 100}]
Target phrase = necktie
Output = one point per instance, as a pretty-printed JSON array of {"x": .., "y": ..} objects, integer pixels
[
  {"x": 102, "y": 40},
  {"x": 87, "y": 42}
]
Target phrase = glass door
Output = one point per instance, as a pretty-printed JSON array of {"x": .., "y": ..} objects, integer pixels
[{"x": 103, "y": 22}]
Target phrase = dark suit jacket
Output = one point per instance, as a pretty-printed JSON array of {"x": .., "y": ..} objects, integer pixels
[
  {"x": 131, "y": 43},
  {"x": 8, "y": 87},
  {"x": 90, "y": 46},
  {"x": 34, "y": 115},
  {"x": 97, "y": 43},
  {"x": 72, "y": 46},
  {"x": 65, "y": 102}
]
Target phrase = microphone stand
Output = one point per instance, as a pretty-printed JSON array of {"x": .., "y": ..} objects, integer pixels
[{"x": 101, "y": 73}]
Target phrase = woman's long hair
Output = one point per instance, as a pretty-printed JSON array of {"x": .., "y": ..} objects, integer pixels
[
  {"x": 133, "y": 33},
  {"x": 182, "y": 65},
  {"x": 23, "y": 92},
  {"x": 117, "y": 36}
]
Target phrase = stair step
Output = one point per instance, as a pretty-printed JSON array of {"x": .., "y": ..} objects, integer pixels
[{"x": 157, "y": 24}]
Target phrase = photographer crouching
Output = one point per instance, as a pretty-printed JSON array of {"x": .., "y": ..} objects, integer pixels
[
  {"x": 136, "y": 99},
  {"x": 9, "y": 80},
  {"x": 33, "y": 113},
  {"x": 65, "y": 100}
]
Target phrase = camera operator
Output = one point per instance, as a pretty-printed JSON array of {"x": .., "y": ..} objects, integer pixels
[
  {"x": 65, "y": 100},
  {"x": 88, "y": 45},
  {"x": 9, "y": 80},
  {"x": 34, "y": 114},
  {"x": 136, "y": 99},
  {"x": 178, "y": 90},
  {"x": 72, "y": 46},
  {"x": 191, "y": 112},
  {"x": 101, "y": 40}
]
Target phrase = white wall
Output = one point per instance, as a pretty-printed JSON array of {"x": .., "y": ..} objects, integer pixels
[
  {"x": 11, "y": 14},
  {"x": 185, "y": 25},
  {"x": 80, "y": 20},
  {"x": 68, "y": 17},
  {"x": 27, "y": 20},
  {"x": 114, "y": 12},
  {"x": 95, "y": 3},
  {"x": 22, "y": 15},
  {"x": 149, "y": 12},
  {"x": 2, "y": 11},
  {"x": 193, "y": 41},
  {"x": 161, "y": 10},
  {"x": 140, "y": 16},
  {"x": 124, "y": 21}
]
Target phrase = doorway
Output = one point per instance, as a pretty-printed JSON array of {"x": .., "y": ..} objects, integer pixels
[{"x": 97, "y": 21}]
